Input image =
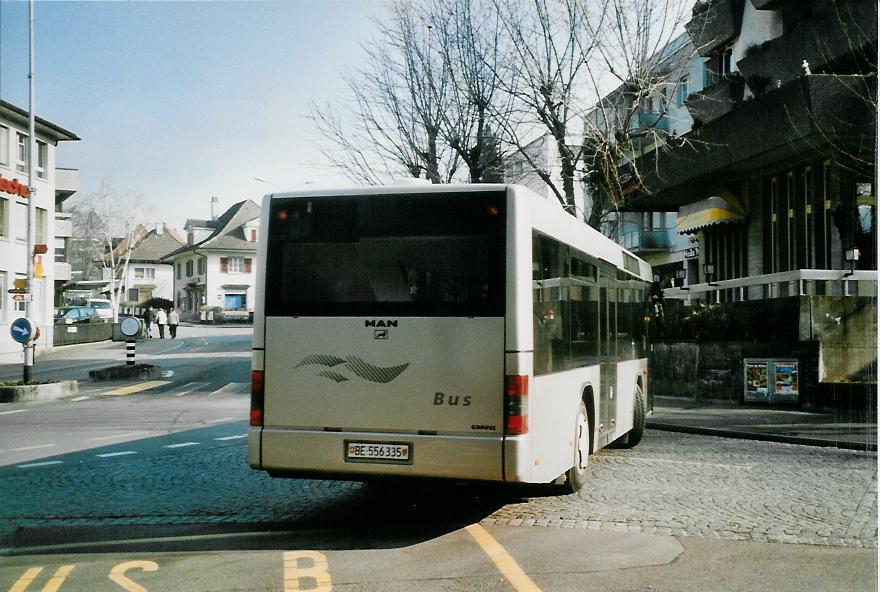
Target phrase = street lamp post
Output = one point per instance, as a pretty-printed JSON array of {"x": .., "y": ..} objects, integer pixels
[{"x": 32, "y": 194}]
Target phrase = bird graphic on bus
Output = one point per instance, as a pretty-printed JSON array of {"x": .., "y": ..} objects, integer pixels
[{"x": 353, "y": 364}]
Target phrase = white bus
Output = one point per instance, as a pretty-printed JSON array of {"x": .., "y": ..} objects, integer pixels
[{"x": 471, "y": 332}]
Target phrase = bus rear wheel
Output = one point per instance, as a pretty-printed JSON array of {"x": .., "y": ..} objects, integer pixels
[
  {"x": 576, "y": 476},
  {"x": 634, "y": 436}
]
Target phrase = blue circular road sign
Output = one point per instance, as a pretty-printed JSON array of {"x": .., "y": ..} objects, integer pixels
[{"x": 23, "y": 330}]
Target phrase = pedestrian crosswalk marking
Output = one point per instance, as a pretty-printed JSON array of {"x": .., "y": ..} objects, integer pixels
[
  {"x": 231, "y": 388},
  {"x": 40, "y": 464},
  {"x": 136, "y": 388},
  {"x": 191, "y": 387}
]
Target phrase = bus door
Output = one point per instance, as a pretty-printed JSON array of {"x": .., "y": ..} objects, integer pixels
[{"x": 607, "y": 353}]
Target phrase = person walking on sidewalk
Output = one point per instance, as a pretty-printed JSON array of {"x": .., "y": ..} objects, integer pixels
[
  {"x": 161, "y": 320},
  {"x": 148, "y": 317},
  {"x": 173, "y": 321}
]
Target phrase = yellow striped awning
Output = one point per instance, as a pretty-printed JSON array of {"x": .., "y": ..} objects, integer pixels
[{"x": 708, "y": 212}]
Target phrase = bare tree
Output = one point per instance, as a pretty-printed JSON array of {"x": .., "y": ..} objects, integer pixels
[
  {"x": 110, "y": 226},
  {"x": 470, "y": 38},
  {"x": 392, "y": 120},
  {"x": 643, "y": 52},
  {"x": 550, "y": 45}
]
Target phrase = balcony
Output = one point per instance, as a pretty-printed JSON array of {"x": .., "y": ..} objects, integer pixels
[
  {"x": 66, "y": 184},
  {"x": 835, "y": 34},
  {"x": 813, "y": 115},
  {"x": 653, "y": 120},
  {"x": 639, "y": 241},
  {"x": 716, "y": 100},
  {"x": 63, "y": 225},
  {"x": 62, "y": 271},
  {"x": 714, "y": 23}
]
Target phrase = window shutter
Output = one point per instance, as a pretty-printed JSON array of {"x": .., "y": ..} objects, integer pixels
[
  {"x": 224, "y": 264},
  {"x": 247, "y": 265}
]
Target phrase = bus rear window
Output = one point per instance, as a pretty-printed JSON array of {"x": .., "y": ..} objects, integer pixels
[{"x": 439, "y": 254}]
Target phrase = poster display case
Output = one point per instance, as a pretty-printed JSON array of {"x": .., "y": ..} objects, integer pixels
[{"x": 770, "y": 380}]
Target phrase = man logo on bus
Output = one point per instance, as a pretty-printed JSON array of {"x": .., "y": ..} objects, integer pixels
[{"x": 353, "y": 364}]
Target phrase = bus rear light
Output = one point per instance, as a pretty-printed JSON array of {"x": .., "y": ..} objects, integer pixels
[
  {"x": 516, "y": 393},
  {"x": 257, "y": 398}
]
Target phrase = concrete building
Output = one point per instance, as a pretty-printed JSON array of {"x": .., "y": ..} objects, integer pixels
[
  {"x": 776, "y": 185},
  {"x": 53, "y": 185},
  {"x": 216, "y": 269}
]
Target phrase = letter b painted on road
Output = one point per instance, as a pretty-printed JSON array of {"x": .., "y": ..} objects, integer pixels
[{"x": 306, "y": 570}]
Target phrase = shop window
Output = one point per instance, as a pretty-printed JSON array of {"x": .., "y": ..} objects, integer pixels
[{"x": 235, "y": 301}]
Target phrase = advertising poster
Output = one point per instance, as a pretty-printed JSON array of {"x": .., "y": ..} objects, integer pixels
[
  {"x": 786, "y": 379},
  {"x": 757, "y": 380}
]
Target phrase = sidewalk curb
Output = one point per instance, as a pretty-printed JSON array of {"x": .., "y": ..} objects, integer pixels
[{"x": 719, "y": 432}]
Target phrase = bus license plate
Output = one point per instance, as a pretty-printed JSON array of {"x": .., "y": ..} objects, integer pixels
[{"x": 378, "y": 452}]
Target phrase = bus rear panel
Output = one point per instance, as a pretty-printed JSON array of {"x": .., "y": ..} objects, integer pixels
[{"x": 382, "y": 336}]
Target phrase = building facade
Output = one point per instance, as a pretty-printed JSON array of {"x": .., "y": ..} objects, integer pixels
[
  {"x": 776, "y": 186},
  {"x": 216, "y": 270},
  {"x": 52, "y": 185}
]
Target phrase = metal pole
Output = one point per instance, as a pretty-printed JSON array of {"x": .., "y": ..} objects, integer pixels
[{"x": 32, "y": 194}]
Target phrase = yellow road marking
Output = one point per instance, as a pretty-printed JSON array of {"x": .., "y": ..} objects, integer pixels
[
  {"x": 309, "y": 565},
  {"x": 136, "y": 388},
  {"x": 502, "y": 560}
]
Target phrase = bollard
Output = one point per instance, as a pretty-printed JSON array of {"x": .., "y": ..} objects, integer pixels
[{"x": 129, "y": 352}]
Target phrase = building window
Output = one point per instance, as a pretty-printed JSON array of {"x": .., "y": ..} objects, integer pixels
[
  {"x": 21, "y": 165},
  {"x": 189, "y": 268},
  {"x": 2, "y": 293},
  {"x": 235, "y": 301},
  {"x": 201, "y": 266},
  {"x": 4, "y": 145},
  {"x": 145, "y": 273},
  {"x": 42, "y": 159},
  {"x": 20, "y": 222},
  {"x": 133, "y": 295},
  {"x": 4, "y": 208},
  {"x": 682, "y": 91},
  {"x": 41, "y": 226},
  {"x": 179, "y": 270},
  {"x": 236, "y": 264},
  {"x": 23, "y": 151}
]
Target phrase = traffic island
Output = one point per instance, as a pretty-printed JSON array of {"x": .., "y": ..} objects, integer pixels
[
  {"x": 125, "y": 371},
  {"x": 13, "y": 392}
]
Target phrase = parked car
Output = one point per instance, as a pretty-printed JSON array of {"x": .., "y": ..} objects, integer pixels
[
  {"x": 102, "y": 307},
  {"x": 68, "y": 315}
]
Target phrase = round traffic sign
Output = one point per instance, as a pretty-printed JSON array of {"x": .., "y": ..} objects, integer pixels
[
  {"x": 23, "y": 330},
  {"x": 130, "y": 326}
]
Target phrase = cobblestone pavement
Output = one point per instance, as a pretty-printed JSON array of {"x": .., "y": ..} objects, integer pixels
[
  {"x": 687, "y": 485},
  {"x": 677, "y": 484}
]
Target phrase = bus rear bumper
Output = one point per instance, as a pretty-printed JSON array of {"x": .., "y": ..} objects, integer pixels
[{"x": 318, "y": 454}]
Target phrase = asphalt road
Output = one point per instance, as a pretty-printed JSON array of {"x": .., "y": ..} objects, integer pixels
[{"x": 167, "y": 502}]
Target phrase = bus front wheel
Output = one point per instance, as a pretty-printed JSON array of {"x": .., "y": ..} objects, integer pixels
[{"x": 576, "y": 476}]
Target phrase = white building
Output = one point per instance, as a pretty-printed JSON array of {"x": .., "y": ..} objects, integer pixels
[
  {"x": 216, "y": 269},
  {"x": 52, "y": 187},
  {"x": 147, "y": 276}
]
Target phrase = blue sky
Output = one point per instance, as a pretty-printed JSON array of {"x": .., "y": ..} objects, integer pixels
[{"x": 181, "y": 101}]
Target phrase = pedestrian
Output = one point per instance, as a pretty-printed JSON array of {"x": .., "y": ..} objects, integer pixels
[
  {"x": 161, "y": 320},
  {"x": 148, "y": 317},
  {"x": 173, "y": 321}
]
